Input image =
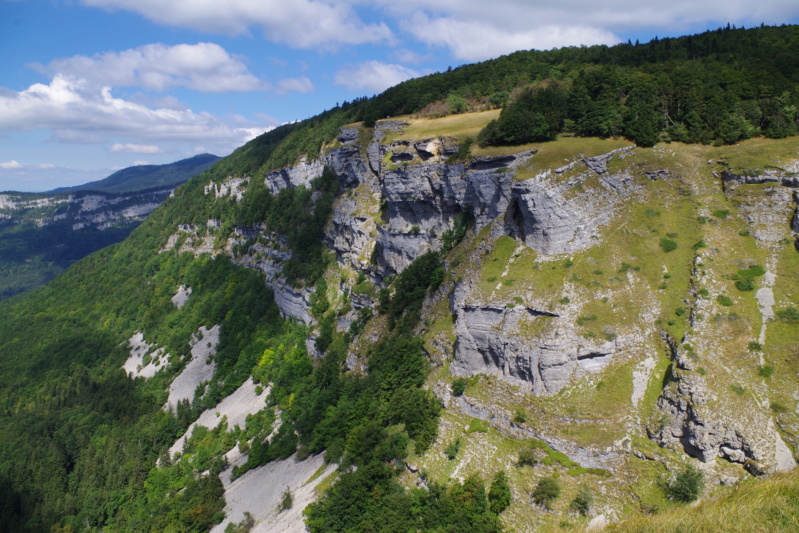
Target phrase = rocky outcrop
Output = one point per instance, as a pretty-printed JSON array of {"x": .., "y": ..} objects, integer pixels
[
  {"x": 704, "y": 432},
  {"x": 767, "y": 176},
  {"x": 488, "y": 342}
]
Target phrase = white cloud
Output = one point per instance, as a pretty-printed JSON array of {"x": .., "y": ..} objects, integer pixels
[
  {"x": 130, "y": 148},
  {"x": 77, "y": 110},
  {"x": 296, "y": 85},
  {"x": 203, "y": 67},
  {"x": 475, "y": 40},
  {"x": 474, "y": 30},
  {"x": 298, "y": 23},
  {"x": 139, "y": 163},
  {"x": 373, "y": 75},
  {"x": 11, "y": 164}
]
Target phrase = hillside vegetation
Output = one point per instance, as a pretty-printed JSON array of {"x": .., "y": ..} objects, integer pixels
[{"x": 501, "y": 334}]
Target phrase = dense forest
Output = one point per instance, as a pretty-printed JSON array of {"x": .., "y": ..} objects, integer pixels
[{"x": 79, "y": 440}]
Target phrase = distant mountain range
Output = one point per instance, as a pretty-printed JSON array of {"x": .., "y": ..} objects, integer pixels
[
  {"x": 143, "y": 177},
  {"x": 41, "y": 234}
]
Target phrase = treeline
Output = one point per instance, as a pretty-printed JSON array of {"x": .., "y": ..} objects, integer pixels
[{"x": 724, "y": 84}]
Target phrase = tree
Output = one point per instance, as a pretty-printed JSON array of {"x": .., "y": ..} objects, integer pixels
[
  {"x": 546, "y": 491},
  {"x": 582, "y": 501},
  {"x": 687, "y": 485},
  {"x": 499, "y": 495}
]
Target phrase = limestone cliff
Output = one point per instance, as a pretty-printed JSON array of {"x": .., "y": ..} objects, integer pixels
[{"x": 594, "y": 292}]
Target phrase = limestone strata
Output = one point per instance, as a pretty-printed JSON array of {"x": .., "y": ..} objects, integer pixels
[{"x": 488, "y": 342}]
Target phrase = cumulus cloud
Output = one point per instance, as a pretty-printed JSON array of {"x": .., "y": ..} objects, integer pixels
[
  {"x": 130, "y": 148},
  {"x": 203, "y": 67},
  {"x": 476, "y": 30},
  {"x": 11, "y": 164},
  {"x": 476, "y": 40},
  {"x": 75, "y": 109},
  {"x": 373, "y": 75},
  {"x": 298, "y": 23}
]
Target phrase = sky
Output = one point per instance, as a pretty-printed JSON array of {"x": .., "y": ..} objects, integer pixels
[{"x": 91, "y": 86}]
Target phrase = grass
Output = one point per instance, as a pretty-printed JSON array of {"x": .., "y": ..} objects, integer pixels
[
  {"x": 457, "y": 126},
  {"x": 561, "y": 152},
  {"x": 757, "y": 506}
]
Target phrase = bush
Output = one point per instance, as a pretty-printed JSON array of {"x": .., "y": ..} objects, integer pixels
[
  {"x": 458, "y": 386},
  {"x": 582, "y": 501},
  {"x": 745, "y": 285},
  {"x": 789, "y": 315},
  {"x": 451, "y": 451},
  {"x": 667, "y": 244},
  {"x": 687, "y": 485},
  {"x": 546, "y": 491},
  {"x": 766, "y": 371},
  {"x": 519, "y": 417},
  {"x": 527, "y": 457},
  {"x": 724, "y": 300},
  {"x": 287, "y": 500},
  {"x": 499, "y": 494}
]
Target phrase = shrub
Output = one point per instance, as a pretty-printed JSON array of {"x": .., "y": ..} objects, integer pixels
[
  {"x": 721, "y": 213},
  {"x": 451, "y": 451},
  {"x": 527, "y": 457},
  {"x": 766, "y": 371},
  {"x": 755, "y": 346},
  {"x": 582, "y": 501},
  {"x": 519, "y": 417},
  {"x": 564, "y": 300},
  {"x": 778, "y": 407},
  {"x": 499, "y": 494},
  {"x": 458, "y": 386},
  {"x": 745, "y": 285},
  {"x": 546, "y": 491},
  {"x": 724, "y": 300},
  {"x": 667, "y": 244},
  {"x": 687, "y": 485},
  {"x": 287, "y": 500},
  {"x": 789, "y": 315}
]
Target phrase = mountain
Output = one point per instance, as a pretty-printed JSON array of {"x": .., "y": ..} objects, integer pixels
[
  {"x": 41, "y": 234},
  {"x": 412, "y": 323},
  {"x": 142, "y": 177}
]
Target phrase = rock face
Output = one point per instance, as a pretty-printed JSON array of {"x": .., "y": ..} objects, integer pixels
[
  {"x": 707, "y": 433},
  {"x": 80, "y": 210},
  {"x": 488, "y": 341},
  {"x": 408, "y": 193}
]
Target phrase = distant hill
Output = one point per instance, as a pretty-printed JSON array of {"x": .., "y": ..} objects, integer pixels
[
  {"x": 143, "y": 177},
  {"x": 41, "y": 234}
]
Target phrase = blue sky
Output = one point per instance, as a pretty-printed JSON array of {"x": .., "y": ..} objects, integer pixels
[{"x": 91, "y": 86}]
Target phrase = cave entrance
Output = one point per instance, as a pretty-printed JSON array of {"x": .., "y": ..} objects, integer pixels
[{"x": 514, "y": 220}]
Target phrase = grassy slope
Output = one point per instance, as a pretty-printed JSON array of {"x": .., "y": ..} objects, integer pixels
[{"x": 596, "y": 412}]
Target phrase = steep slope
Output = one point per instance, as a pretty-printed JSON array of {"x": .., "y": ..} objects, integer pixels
[
  {"x": 605, "y": 305},
  {"x": 473, "y": 338}
]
